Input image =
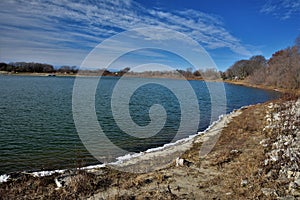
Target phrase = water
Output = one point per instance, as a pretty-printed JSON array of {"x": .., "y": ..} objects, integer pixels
[{"x": 37, "y": 129}]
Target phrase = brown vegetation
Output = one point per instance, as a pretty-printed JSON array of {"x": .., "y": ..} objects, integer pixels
[
  {"x": 244, "y": 68},
  {"x": 281, "y": 71}
]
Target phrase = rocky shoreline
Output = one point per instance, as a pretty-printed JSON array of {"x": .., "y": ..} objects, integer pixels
[
  {"x": 256, "y": 157},
  {"x": 282, "y": 163}
]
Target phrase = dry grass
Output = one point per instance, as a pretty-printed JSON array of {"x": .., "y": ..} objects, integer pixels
[{"x": 82, "y": 184}]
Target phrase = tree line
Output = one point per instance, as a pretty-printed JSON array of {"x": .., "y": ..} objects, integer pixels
[
  {"x": 32, "y": 67},
  {"x": 244, "y": 68},
  {"x": 282, "y": 70}
]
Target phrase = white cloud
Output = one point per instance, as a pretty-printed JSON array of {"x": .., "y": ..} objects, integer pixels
[
  {"x": 79, "y": 26},
  {"x": 282, "y": 9}
]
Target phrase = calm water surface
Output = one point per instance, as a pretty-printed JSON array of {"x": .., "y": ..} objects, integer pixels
[{"x": 37, "y": 130}]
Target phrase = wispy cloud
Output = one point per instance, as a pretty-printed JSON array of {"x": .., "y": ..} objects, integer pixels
[
  {"x": 68, "y": 26},
  {"x": 282, "y": 9}
]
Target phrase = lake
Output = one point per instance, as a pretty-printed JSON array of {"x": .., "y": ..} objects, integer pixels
[{"x": 37, "y": 129}]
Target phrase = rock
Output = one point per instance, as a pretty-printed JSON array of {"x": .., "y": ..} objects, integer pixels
[
  {"x": 58, "y": 183},
  {"x": 266, "y": 162},
  {"x": 179, "y": 162},
  {"x": 270, "y": 106},
  {"x": 182, "y": 162},
  {"x": 294, "y": 189},
  {"x": 297, "y": 175},
  {"x": 64, "y": 180},
  {"x": 272, "y": 174},
  {"x": 244, "y": 182},
  {"x": 264, "y": 142},
  {"x": 295, "y": 192},
  {"x": 269, "y": 192},
  {"x": 234, "y": 151},
  {"x": 288, "y": 197},
  {"x": 282, "y": 157},
  {"x": 297, "y": 181},
  {"x": 290, "y": 174},
  {"x": 292, "y": 185}
]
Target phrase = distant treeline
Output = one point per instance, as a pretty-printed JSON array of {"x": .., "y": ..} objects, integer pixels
[
  {"x": 282, "y": 70},
  {"x": 32, "y": 67}
]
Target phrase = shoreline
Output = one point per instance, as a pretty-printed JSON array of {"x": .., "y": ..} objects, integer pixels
[
  {"x": 57, "y": 74},
  {"x": 169, "y": 152},
  {"x": 234, "y": 82},
  {"x": 264, "y": 87},
  {"x": 235, "y": 168},
  {"x": 177, "y": 147}
]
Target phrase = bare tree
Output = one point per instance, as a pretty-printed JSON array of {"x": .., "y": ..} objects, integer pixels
[
  {"x": 297, "y": 43},
  {"x": 282, "y": 71},
  {"x": 244, "y": 68}
]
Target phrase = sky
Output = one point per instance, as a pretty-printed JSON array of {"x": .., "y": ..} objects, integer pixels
[{"x": 65, "y": 32}]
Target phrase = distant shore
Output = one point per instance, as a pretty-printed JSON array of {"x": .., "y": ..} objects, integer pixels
[
  {"x": 235, "y": 82},
  {"x": 96, "y": 75},
  {"x": 35, "y": 74}
]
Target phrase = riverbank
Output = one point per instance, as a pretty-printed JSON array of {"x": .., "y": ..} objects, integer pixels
[
  {"x": 244, "y": 163},
  {"x": 248, "y": 84}
]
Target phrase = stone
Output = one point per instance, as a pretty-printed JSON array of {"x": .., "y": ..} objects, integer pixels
[
  {"x": 244, "y": 182},
  {"x": 234, "y": 151},
  {"x": 179, "y": 162},
  {"x": 288, "y": 197},
  {"x": 292, "y": 185},
  {"x": 268, "y": 191},
  {"x": 295, "y": 192},
  {"x": 290, "y": 174},
  {"x": 297, "y": 181}
]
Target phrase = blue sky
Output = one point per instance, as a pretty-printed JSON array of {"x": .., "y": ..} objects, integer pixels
[{"x": 63, "y": 32}]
